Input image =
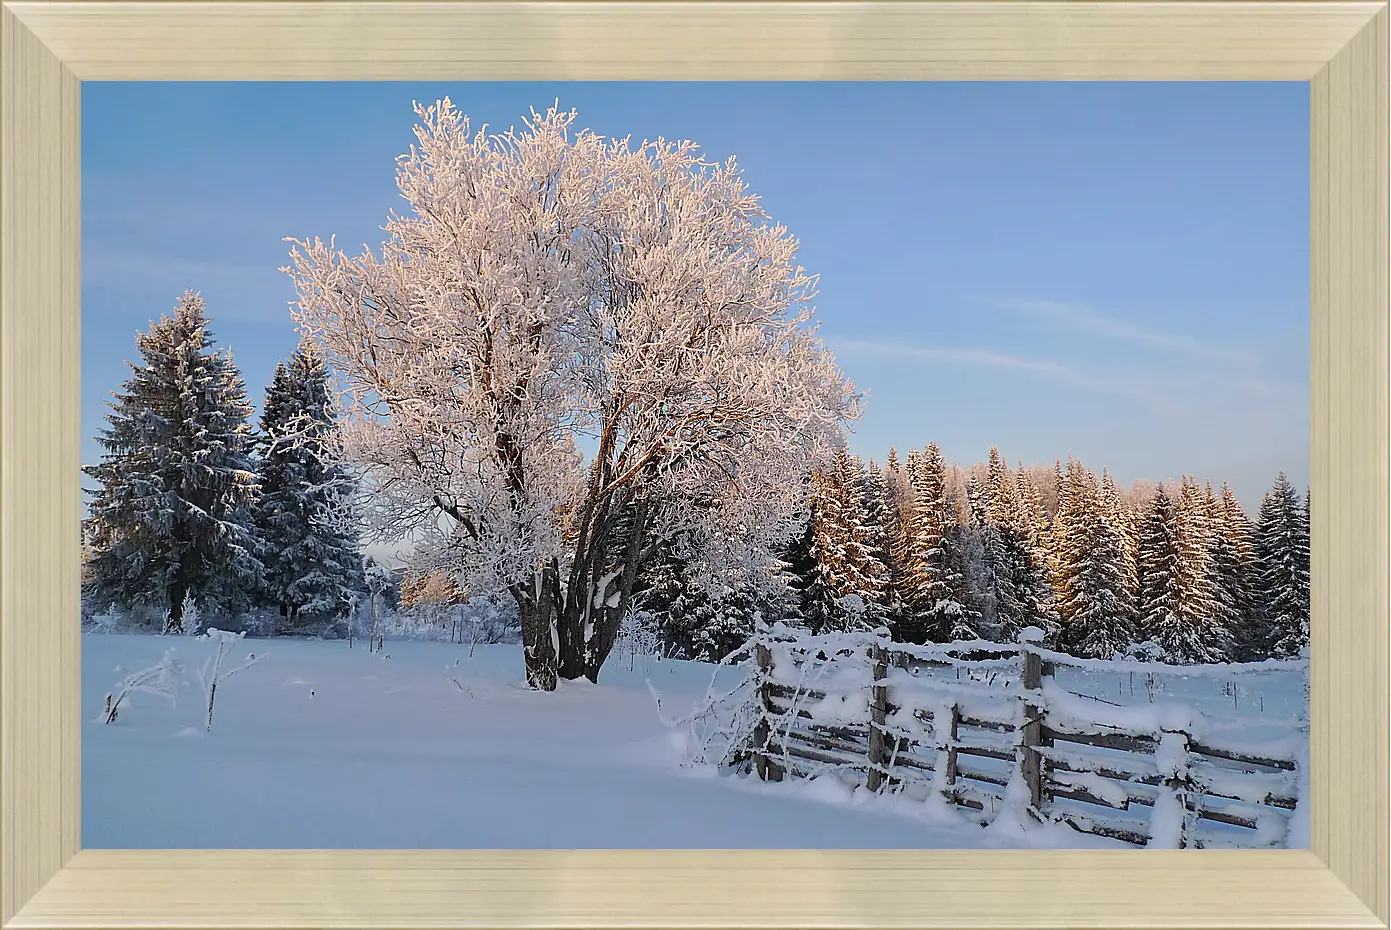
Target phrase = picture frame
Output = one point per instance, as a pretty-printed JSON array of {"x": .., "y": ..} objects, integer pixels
[{"x": 48, "y": 48}]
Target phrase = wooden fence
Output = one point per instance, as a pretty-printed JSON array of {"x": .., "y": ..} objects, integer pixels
[{"x": 904, "y": 725}]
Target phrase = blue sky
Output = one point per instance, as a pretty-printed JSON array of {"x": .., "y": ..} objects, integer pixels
[{"x": 1113, "y": 271}]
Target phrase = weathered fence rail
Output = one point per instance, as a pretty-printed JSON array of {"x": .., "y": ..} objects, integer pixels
[{"x": 887, "y": 714}]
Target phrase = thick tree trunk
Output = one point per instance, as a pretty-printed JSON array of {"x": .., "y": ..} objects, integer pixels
[
  {"x": 608, "y": 619},
  {"x": 537, "y": 608}
]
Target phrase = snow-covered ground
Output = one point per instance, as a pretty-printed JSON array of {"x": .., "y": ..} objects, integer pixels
[{"x": 322, "y": 746}]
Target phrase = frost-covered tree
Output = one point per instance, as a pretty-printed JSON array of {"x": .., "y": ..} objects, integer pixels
[
  {"x": 966, "y": 608},
  {"x": 879, "y": 531},
  {"x": 821, "y": 558},
  {"x": 1157, "y": 564},
  {"x": 170, "y": 519},
  {"x": 1097, "y": 610},
  {"x": 663, "y": 590},
  {"x": 1193, "y": 631},
  {"x": 839, "y": 555},
  {"x": 549, "y": 286},
  {"x": 725, "y": 619},
  {"x": 1282, "y": 554},
  {"x": 1117, "y": 512},
  {"x": 1233, "y": 561},
  {"x": 1015, "y": 589},
  {"x": 933, "y": 586},
  {"x": 313, "y": 560}
]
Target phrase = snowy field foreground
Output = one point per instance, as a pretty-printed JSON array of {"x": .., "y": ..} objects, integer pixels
[{"x": 320, "y": 746}]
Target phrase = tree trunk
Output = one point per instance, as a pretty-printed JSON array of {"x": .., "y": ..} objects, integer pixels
[
  {"x": 537, "y": 609},
  {"x": 178, "y": 591},
  {"x": 372, "y": 628},
  {"x": 609, "y": 619}
]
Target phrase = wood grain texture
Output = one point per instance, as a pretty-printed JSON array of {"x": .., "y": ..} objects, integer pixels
[
  {"x": 39, "y": 435},
  {"x": 892, "y": 40},
  {"x": 1177, "y": 888},
  {"x": 48, "y": 47},
  {"x": 1350, "y": 466}
]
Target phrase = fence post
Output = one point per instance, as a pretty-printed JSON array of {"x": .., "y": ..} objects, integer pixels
[
  {"x": 1031, "y": 735},
  {"x": 767, "y": 769},
  {"x": 1174, "y": 762},
  {"x": 952, "y": 756},
  {"x": 878, "y": 714}
]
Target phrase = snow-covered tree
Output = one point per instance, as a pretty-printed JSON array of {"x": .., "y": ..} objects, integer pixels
[
  {"x": 839, "y": 556},
  {"x": 1282, "y": 554},
  {"x": 969, "y": 603},
  {"x": 550, "y": 285},
  {"x": 879, "y": 530},
  {"x": 1158, "y": 569},
  {"x": 1179, "y": 593},
  {"x": 313, "y": 562},
  {"x": 663, "y": 590},
  {"x": 1116, "y": 510},
  {"x": 1233, "y": 570},
  {"x": 724, "y": 621},
  {"x": 1097, "y": 609},
  {"x": 932, "y": 584},
  {"x": 170, "y": 519}
]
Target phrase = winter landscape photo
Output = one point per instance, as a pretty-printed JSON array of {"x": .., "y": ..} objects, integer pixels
[{"x": 699, "y": 465}]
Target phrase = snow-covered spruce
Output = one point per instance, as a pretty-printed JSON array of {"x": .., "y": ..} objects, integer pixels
[
  {"x": 1282, "y": 553},
  {"x": 313, "y": 563},
  {"x": 170, "y": 518}
]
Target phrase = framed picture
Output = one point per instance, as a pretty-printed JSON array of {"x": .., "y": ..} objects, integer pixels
[{"x": 932, "y": 624}]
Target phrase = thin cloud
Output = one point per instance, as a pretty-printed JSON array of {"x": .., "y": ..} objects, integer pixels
[
  {"x": 1057, "y": 372},
  {"x": 1083, "y": 319},
  {"x": 262, "y": 292}
]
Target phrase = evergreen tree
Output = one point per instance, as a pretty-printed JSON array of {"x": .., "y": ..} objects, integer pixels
[
  {"x": 1238, "y": 576},
  {"x": 724, "y": 621},
  {"x": 1199, "y": 634},
  {"x": 868, "y": 575},
  {"x": 1116, "y": 510},
  {"x": 313, "y": 558},
  {"x": 1032, "y": 583},
  {"x": 663, "y": 589},
  {"x": 169, "y": 521},
  {"x": 880, "y": 529},
  {"x": 1033, "y": 519},
  {"x": 1158, "y": 570},
  {"x": 947, "y": 611},
  {"x": 1097, "y": 611},
  {"x": 1282, "y": 553},
  {"x": 828, "y": 564},
  {"x": 905, "y": 578},
  {"x": 963, "y": 612}
]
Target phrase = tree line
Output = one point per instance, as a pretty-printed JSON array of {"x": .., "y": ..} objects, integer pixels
[
  {"x": 1174, "y": 572},
  {"x": 197, "y": 505}
]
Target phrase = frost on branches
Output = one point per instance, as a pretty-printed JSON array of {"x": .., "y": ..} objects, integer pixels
[{"x": 550, "y": 287}]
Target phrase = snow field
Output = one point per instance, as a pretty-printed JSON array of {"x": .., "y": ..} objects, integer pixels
[{"x": 322, "y": 746}]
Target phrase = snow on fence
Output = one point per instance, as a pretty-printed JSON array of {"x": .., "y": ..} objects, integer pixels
[{"x": 1004, "y": 733}]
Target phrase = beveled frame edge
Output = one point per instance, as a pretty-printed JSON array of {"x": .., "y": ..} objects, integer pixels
[{"x": 48, "y": 48}]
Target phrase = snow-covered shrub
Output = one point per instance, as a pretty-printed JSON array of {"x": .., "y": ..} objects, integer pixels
[
  {"x": 212, "y": 672},
  {"x": 192, "y": 617},
  {"x": 638, "y": 636},
  {"x": 161, "y": 679}
]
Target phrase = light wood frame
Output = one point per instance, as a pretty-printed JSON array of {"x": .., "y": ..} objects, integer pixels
[{"x": 48, "y": 48}]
